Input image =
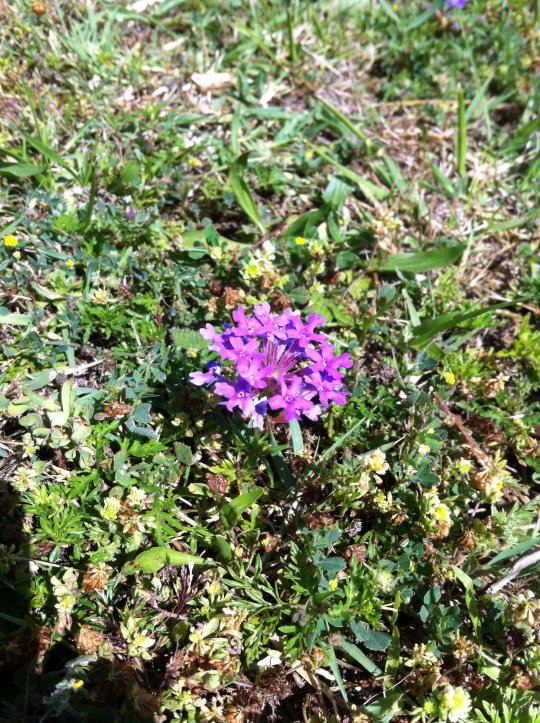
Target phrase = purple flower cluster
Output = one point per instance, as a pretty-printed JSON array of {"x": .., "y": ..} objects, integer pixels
[
  {"x": 277, "y": 362},
  {"x": 457, "y": 3}
]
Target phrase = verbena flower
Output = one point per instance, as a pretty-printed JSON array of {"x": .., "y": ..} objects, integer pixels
[
  {"x": 274, "y": 361},
  {"x": 457, "y": 3}
]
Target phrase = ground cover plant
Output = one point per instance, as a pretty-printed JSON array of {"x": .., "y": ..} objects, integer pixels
[{"x": 324, "y": 507}]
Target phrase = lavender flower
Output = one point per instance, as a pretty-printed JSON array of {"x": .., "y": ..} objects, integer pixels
[
  {"x": 277, "y": 362},
  {"x": 457, "y": 3}
]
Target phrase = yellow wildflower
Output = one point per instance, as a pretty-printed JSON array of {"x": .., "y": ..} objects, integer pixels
[
  {"x": 456, "y": 703},
  {"x": 70, "y": 264},
  {"x": 300, "y": 241},
  {"x": 110, "y": 508},
  {"x": 309, "y": 154},
  {"x": 100, "y": 296},
  {"x": 464, "y": 465},
  {"x": 441, "y": 513},
  {"x": 17, "y": 255},
  {"x": 253, "y": 270},
  {"x": 76, "y": 683},
  {"x": 194, "y": 162},
  {"x": 332, "y": 585},
  {"x": 423, "y": 449},
  {"x": 376, "y": 461},
  {"x": 449, "y": 377},
  {"x": 10, "y": 241}
]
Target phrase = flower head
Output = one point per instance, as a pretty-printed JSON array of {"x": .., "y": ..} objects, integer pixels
[
  {"x": 455, "y": 704},
  {"x": 457, "y": 3},
  {"x": 10, "y": 241},
  {"x": 274, "y": 361}
]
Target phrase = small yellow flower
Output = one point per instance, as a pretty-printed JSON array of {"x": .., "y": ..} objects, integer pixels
[
  {"x": 110, "y": 508},
  {"x": 376, "y": 461},
  {"x": 253, "y": 270},
  {"x": 449, "y": 377},
  {"x": 332, "y": 585},
  {"x": 10, "y": 241},
  {"x": 193, "y": 353},
  {"x": 464, "y": 465},
  {"x": 76, "y": 683},
  {"x": 17, "y": 255},
  {"x": 70, "y": 264},
  {"x": 456, "y": 703},
  {"x": 300, "y": 241},
  {"x": 441, "y": 513},
  {"x": 100, "y": 296},
  {"x": 309, "y": 154},
  {"x": 194, "y": 162},
  {"x": 423, "y": 449}
]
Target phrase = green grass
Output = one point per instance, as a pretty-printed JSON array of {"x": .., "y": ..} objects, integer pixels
[{"x": 160, "y": 560}]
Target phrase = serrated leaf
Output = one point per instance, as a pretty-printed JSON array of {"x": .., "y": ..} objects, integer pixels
[
  {"x": 242, "y": 192},
  {"x": 421, "y": 262},
  {"x": 332, "y": 565},
  {"x": 372, "y": 639}
]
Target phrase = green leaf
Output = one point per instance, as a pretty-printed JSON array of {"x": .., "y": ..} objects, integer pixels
[
  {"x": 15, "y": 319},
  {"x": 332, "y": 565},
  {"x": 423, "y": 17},
  {"x": 242, "y": 192},
  {"x": 372, "y": 639},
  {"x": 461, "y": 141},
  {"x": 231, "y": 512},
  {"x": 425, "y": 261},
  {"x": 183, "y": 453},
  {"x": 427, "y": 330},
  {"x": 332, "y": 662},
  {"x": 152, "y": 560},
  {"x": 19, "y": 170},
  {"x": 518, "y": 549},
  {"x": 188, "y": 339},
  {"x": 45, "y": 150},
  {"x": 296, "y": 434},
  {"x": 224, "y": 548},
  {"x": 470, "y": 600},
  {"x": 384, "y": 709},
  {"x": 360, "y": 657},
  {"x": 370, "y": 190},
  {"x": 339, "y": 116}
]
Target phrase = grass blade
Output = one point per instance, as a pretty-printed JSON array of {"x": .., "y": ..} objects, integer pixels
[
  {"x": 461, "y": 141},
  {"x": 242, "y": 192},
  {"x": 426, "y": 261}
]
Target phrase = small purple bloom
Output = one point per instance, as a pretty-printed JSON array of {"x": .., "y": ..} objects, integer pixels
[
  {"x": 291, "y": 400},
  {"x": 457, "y": 3},
  {"x": 275, "y": 362},
  {"x": 237, "y": 395},
  {"x": 325, "y": 361},
  {"x": 329, "y": 390},
  {"x": 201, "y": 378}
]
